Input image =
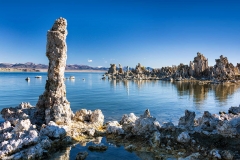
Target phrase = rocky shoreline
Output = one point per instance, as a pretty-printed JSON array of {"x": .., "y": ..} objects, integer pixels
[
  {"x": 212, "y": 136},
  {"x": 37, "y": 132}
]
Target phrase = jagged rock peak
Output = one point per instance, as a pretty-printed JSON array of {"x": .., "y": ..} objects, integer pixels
[{"x": 60, "y": 25}]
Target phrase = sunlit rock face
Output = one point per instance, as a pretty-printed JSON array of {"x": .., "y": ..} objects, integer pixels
[
  {"x": 200, "y": 65},
  {"x": 53, "y": 104},
  {"x": 112, "y": 69},
  {"x": 224, "y": 70}
]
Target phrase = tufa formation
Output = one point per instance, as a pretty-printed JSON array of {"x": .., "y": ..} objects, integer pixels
[
  {"x": 198, "y": 69},
  {"x": 53, "y": 104}
]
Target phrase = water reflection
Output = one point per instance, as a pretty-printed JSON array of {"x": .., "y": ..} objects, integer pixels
[
  {"x": 198, "y": 92},
  {"x": 201, "y": 92},
  {"x": 61, "y": 155},
  {"x": 126, "y": 86},
  {"x": 223, "y": 92},
  {"x": 115, "y": 151},
  {"x": 190, "y": 90}
]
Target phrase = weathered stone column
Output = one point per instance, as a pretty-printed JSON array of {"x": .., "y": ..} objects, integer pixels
[{"x": 53, "y": 104}]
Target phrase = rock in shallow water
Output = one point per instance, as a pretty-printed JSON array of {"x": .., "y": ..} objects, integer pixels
[
  {"x": 82, "y": 155},
  {"x": 100, "y": 147},
  {"x": 113, "y": 127}
]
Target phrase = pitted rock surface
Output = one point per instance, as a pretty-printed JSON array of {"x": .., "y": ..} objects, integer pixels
[{"x": 53, "y": 104}]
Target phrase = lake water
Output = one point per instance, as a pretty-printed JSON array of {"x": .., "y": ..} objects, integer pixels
[{"x": 166, "y": 101}]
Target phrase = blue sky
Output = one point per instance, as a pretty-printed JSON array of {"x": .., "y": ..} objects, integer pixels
[{"x": 155, "y": 33}]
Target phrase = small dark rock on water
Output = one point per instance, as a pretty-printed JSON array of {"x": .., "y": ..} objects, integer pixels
[{"x": 81, "y": 155}]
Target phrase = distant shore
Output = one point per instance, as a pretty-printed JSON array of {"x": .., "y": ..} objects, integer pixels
[{"x": 43, "y": 70}]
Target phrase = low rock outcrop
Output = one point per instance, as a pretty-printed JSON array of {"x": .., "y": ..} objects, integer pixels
[{"x": 197, "y": 69}]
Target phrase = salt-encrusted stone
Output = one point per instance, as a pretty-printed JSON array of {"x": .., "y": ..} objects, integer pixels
[
  {"x": 168, "y": 126},
  {"x": 187, "y": 121},
  {"x": 131, "y": 118},
  {"x": 94, "y": 118},
  {"x": 52, "y": 130},
  {"x": 234, "y": 110},
  {"x": 22, "y": 125},
  {"x": 31, "y": 138},
  {"x": 227, "y": 155},
  {"x": 24, "y": 105},
  {"x": 183, "y": 137},
  {"x": 208, "y": 121},
  {"x": 97, "y": 117},
  {"x": 82, "y": 115},
  {"x": 145, "y": 125},
  {"x": 113, "y": 127},
  {"x": 14, "y": 114},
  {"x": 229, "y": 128},
  {"x": 128, "y": 122},
  {"x": 5, "y": 127},
  {"x": 193, "y": 156},
  {"x": 53, "y": 104},
  {"x": 215, "y": 154},
  {"x": 90, "y": 131},
  {"x": 45, "y": 142}
]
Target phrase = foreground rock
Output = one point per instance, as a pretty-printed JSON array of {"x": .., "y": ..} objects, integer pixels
[
  {"x": 53, "y": 104},
  {"x": 211, "y": 136}
]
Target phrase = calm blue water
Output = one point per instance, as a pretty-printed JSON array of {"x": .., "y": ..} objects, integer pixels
[{"x": 167, "y": 101}]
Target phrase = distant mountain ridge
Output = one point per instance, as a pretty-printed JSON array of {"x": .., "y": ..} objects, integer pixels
[{"x": 30, "y": 65}]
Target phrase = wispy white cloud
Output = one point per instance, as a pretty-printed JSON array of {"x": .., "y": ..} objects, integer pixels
[{"x": 89, "y": 60}]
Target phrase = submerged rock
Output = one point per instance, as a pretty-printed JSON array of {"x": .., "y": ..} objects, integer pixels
[
  {"x": 100, "y": 147},
  {"x": 81, "y": 155}
]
